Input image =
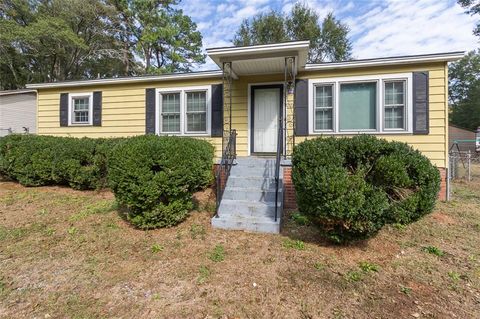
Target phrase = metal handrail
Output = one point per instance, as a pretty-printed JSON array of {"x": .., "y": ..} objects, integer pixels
[
  {"x": 229, "y": 154},
  {"x": 277, "y": 163}
]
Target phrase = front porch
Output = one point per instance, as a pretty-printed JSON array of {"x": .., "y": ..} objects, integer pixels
[{"x": 258, "y": 117}]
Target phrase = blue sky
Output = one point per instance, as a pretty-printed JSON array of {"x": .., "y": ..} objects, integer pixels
[{"x": 378, "y": 28}]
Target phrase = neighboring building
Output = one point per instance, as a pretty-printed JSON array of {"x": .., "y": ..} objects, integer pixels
[
  {"x": 399, "y": 98},
  {"x": 465, "y": 139},
  {"x": 18, "y": 111}
]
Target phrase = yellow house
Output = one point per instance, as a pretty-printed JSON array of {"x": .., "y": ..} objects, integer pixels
[{"x": 263, "y": 100}]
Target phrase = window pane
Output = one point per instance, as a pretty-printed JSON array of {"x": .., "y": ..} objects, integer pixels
[
  {"x": 81, "y": 117},
  {"x": 81, "y": 104},
  {"x": 171, "y": 103},
  {"x": 196, "y": 102},
  {"x": 323, "y": 119},
  {"x": 171, "y": 123},
  {"x": 394, "y": 117},
  {"x": 394, "y": 92},
  {"x": 80, "y": 109},
  {"x": 196, "y": 122},
  {"x": 394, "y": 105},
  {"x": 358, "y": 106},
  {"x": 323, "y": 96}
]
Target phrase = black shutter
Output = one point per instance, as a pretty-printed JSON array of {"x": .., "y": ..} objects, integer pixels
[
  {"x": 301, "y": 108},
  {"x": 63, "y": 109},
  {"x": 217, "y": 110},
  {"x": 150, "y": 111},
  {"x": 97, "y": 108},
  {"x": 420, "y": 103}
]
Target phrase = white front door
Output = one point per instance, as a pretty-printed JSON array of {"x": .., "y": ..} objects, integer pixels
[{"x": 265, "y": 119}]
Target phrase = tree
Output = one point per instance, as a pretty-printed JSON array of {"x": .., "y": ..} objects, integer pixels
[
  {"x": 328, "y": 40},
  {"x": 473, "y": 7},
  {"x": 464, "y": 81},
  {"x": 56, "y": 40},
  {"x": 163, "y": 37},
  {"x": 464, "y": 91},
  {"x": 262, "y": 29}
]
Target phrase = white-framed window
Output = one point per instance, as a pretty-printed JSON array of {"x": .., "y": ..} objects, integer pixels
[
  {"x": 377, "y": 104},
  {"x": 323, "y": 103},
  {"x": 394, "y": 105},
  {"x": 184, "y": 111},
  {"x": 80, "y": 108}
]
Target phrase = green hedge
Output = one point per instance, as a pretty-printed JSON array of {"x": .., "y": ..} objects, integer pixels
[
  {"x": 154, "y": 177},
  {"x": 35, "y": 160},
  {"x": 352, "y": 187}
]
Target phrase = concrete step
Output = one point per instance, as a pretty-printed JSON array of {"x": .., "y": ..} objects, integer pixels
[
  {"x": 229, "y": 207},
  {"x": 256, "y": 160},
  {"x": 252, "y": 182},
  {"x": 248, "y": 201},
  {"x": 254, "y": 224},
  {"x": 252, "y": 172},
  {"x": 252, "y": 194}
]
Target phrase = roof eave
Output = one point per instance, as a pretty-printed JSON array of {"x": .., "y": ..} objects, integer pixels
[
  {"x": 165, "y": 77},
  {"x": 447, "y": 57}
]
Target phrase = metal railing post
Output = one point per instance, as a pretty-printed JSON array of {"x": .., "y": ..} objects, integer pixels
[{"x": 469, "y": 163}]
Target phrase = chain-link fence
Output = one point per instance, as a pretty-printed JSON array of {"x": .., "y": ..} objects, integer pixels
[{"x": 464, "y": 166}]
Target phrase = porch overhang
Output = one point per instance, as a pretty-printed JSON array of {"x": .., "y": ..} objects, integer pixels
[{"x": 261, "y": 59}]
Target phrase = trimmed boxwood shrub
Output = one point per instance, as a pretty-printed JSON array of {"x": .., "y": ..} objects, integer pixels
[
  {"x": 352, "y": 187},
  {"x": 35, "y": 160},
  {"x": 154, "y": 177}
]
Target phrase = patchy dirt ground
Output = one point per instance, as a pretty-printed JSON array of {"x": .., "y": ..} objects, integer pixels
[{"x": 69, "y": 254}]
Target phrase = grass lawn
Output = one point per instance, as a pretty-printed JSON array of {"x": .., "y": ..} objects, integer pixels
[{"x": 69, "y": 254}]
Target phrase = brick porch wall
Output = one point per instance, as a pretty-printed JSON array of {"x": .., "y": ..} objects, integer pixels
[{"x": 290, "y": 202}]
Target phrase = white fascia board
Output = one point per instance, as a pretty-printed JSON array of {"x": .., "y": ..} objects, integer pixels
[
  {"x": 443, "y": 57},
  {"x": 165, "y": 77},
  {"x": 258, "y": 48}
]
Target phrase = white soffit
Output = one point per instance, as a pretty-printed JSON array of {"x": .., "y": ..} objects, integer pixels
[{"x": 261, "y": 59}]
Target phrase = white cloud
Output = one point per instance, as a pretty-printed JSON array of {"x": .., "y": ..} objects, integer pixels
[{"x": 412, "y": 27}]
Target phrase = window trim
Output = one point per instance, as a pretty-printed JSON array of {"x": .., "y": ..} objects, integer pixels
[
  {"x": 195, "y": 112},
  {"x": 72, "y": 96},
  {"x": 183, "y": 90},
  {"x": 334, "y": 101},
  {"x": 380, "y": 79}
]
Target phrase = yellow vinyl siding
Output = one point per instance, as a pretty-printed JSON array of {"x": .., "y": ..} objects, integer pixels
[
  {"x": 123, "y": 108},
  {"x": 435, "y": 144}
]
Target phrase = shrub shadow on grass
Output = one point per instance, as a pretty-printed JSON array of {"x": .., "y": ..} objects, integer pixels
[{"x": 311, "y": 234}]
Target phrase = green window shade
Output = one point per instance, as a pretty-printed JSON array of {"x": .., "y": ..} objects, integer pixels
[
  {"x": 358, "y": 106},
  {"x": 171, "y": 112}
]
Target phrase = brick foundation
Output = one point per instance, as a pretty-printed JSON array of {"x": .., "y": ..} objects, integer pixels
[
  {"x": 290, "y": 202},
  {"x": 289, "y": 199},
  {"x": 442, "y": 195}
]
